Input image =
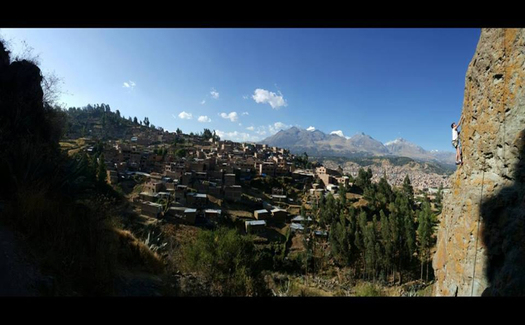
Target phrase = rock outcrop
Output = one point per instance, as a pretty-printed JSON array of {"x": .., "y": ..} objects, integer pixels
[
  {"x": 481, "y": 236},
  {"x": 30, "y": 129}
]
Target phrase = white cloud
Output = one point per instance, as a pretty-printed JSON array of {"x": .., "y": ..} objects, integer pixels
[
  {"x": 232, "y": 116},
  {"x": 245, "y": 113},
  {"x": 277, "y": 126},
  {"x": 245, "y": 96},
  {"x": 310, "y": 128},
  {"x": 262, "y": 96},
  {"x": 173, "y": 115},
  {"x": 339, "y": 133},
  {"x": 280, "y": 125},
  {"x": 204, "y": 119},
  {"x": 183, "y": 115},
  {"x": 237, "y": 136},
  {"x": 270, "y": 129},
  {"x": 129, "y": 84},
  {"x": 240, "y": 124},
  {"x": 203, "y": 102},
  {"x": 391, "y": 142},
  {"x": 214, "y": 93},
  {"x": 260, "y": 130}
]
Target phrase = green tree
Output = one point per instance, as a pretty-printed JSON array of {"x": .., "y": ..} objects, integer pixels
[
  {"x": 405, "y": 216},
  {"x": 359, "y": 237},
  {"x": 379, "y": 259},
  {"x": 386, "y": 240},
  {"x": 364, "y": 179},
  {"x": 181, "y": 152},
  {"x": 342, "y": 195},
  {"x": 146, "y": 121},
  {"x": 207, "y": 134},
  {"x": 351, "y": 229},
  {"x": 340, "y": 241},
  {"x": 135, "y": 120},
  {"x": 408, "y": 190},
  {"x": 328, "y": 210},
  {"x": 410, "y": 232},
  {"x": 101, "y": 169},
  {"x": 215, "y": 136},
  {"x": 425, "y": 232},
  {"x": 301, "y": 161},
  {"x": 303, "y": 211},
  {"x": 369, "y": 249},
  {"x": 98, "y": 148},
  {"x": 228, "y": 260},
  {"x": 384, "y": 193},
  {"x": 395, "y": 226}
]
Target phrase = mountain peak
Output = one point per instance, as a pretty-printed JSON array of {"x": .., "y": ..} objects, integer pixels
[
  {"x": 317, "y": 142},
  {"x": 362, "y": 134},
  {"x": 398, "y": 140},
  {"x": 338, "y": 133}
]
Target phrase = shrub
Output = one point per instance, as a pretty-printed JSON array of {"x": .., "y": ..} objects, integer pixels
[
  {"x": 228, "y": 260},
  {"x": 368, "y": 290}
]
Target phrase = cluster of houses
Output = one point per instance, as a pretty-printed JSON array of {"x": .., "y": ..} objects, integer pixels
[
  {"x": 206, "y": 162},
  {"x": 180, "y": 186},
  {"x": 272, "y": 214},
  {"x": 330, "y": 180}
]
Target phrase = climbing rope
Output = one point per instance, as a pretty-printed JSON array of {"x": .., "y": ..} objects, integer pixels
[
  {"x": 504, "y": 100},
  {"x": 477, "y": 232}
]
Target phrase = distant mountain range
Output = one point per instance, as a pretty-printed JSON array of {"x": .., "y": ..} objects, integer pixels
[{"x": 318, "y": 143}]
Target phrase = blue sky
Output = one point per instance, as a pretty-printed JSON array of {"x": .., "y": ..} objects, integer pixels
[{"x": 249, "y": 83}]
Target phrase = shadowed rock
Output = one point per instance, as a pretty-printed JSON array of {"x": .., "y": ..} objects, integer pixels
[{"x": 503, "y": 234}]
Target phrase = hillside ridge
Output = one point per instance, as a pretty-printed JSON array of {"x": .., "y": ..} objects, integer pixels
[{"x": 318, "y": 143}]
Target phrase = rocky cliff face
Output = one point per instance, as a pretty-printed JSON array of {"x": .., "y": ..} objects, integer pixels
[{"x": 489, "y": 187}]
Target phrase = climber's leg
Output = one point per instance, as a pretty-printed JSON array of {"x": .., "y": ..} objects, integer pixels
[{"x": 455, "y": 144}]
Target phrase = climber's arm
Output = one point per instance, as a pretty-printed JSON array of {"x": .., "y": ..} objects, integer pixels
[{"x": 460, "y": 120}]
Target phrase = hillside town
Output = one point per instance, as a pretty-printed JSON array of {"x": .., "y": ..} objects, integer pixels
[
  {"x": 95, "y": 203},
  {"x": 421, "y": 179},
  {"x": 196, "y": 180}
]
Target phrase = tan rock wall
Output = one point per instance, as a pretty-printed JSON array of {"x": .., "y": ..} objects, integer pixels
[{"x": 493, "y": 118}]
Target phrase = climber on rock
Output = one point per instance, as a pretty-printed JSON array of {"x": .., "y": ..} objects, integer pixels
[{"x": 455, "y": 141}]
